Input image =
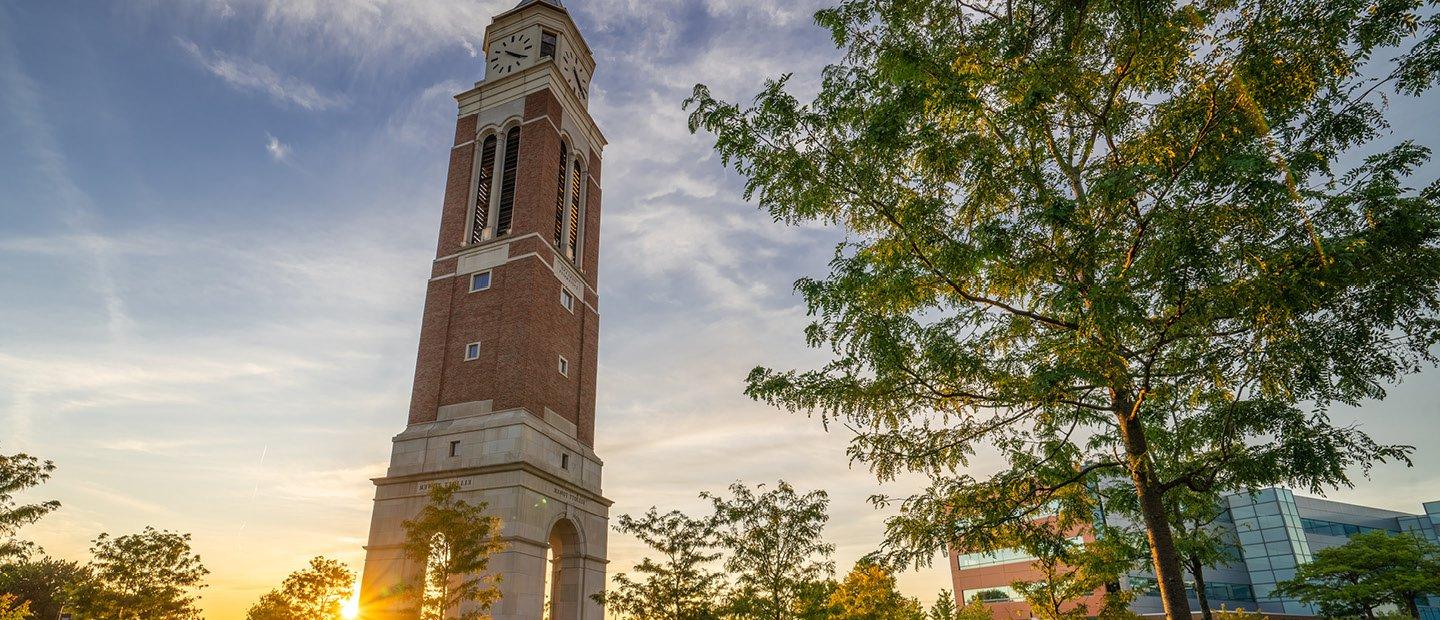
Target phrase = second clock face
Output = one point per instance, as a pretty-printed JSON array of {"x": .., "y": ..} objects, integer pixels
[
  {"x": 574, "y": 74},
  {"x": 508, "y": 54}
]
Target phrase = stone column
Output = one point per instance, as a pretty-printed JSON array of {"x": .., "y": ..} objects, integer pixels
[
  {"x": 522, "y": 568},
  {"x": 566, "y": 598},
  {"x": 592, "y": 582}
]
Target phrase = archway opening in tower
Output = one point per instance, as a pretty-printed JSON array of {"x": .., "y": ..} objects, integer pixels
[{"x": 563, "y": 579}]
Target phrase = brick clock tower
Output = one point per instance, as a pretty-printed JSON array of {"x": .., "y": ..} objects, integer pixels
[{"x": 504, "y": 396}]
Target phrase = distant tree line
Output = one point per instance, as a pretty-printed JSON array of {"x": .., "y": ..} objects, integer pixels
[
  {"x": 149, "y": 575},
  {"x": 758, "y": 554}
]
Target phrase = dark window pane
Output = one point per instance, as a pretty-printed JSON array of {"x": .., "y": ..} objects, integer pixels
[
  {"x": 560, "y": 195},
  {"x": 507, "y": 182},
  {"x": 482, "y": 190}
]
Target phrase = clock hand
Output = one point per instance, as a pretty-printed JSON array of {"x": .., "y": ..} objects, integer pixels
[{"x": 516, "y": 55}]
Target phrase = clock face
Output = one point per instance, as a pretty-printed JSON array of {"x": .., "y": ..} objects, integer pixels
[
  {"x": 574, "y": 74},
  {"x": 507, "y": 54}
]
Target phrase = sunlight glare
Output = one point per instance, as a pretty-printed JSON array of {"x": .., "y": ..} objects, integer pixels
[{"x": 351, "y": 610}]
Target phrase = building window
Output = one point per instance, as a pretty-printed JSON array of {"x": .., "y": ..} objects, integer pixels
[
  {"x": 472, "y": 351},
  {"x": 572, "y": 248},
  {"x": 564, "y": 461},
  {"x": 547, "y": 44},
  {"x": 567, "y": 299},
  {"x": 481, "y": 212},
  {"x": 564, "y": 366},
  {"x": 454, "y": 449},
  {"x": 560, "y": 194},
  {"x": 507, "y": 182},
  {"x": 993, "y": 594},
  {"x": 1331, "y": 528},
  {"x": 479, "y": 281},
  {"x": 1003, "y": 556}
]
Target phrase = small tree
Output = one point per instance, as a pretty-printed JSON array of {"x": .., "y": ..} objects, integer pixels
[
  {"x": 1199, "y": 544},
  {"x": 868, "y": 593},
  {"x": 152, "y": 575},
  {"x": 973, "y": 610},
  {"x": 19, "y": 472},
  {"x": 1072, "y": 572},
  {"x": 1372, "y": 569},
  {"x": 678, "y": 584},
  {"x": 46, "y": 584},
  {"x": 454, "y": 540},
  {"x": 315, "y": 593},
  {"x": 944, "y": 607},
  {"x": 812, "y": 600},
  {"x": 774, "y": 547}
]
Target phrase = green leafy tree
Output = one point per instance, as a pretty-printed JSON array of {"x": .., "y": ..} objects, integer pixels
[
  {"x": 677, "y": 584},
  {"x": 812, "y": 600},
  {"x": 47, "y": 584},
  {"x": 1077, "y": 227},
  {"x": 944, "y": 607},
  {"x": 19, "y": 472},
  {"x": 1372, "y": 569},
  {"x": 1192, "y": 515},
  {"x": 152, "y": 575},
  {"x": 454, "y": 540},
  {"x": 774, "y": 549},
  {"x": 868, "y": 592},
  {"x": 1071, "y": 572},
  {"x": 1200, "y": 544},
  {"x": 314, "y": 593}
]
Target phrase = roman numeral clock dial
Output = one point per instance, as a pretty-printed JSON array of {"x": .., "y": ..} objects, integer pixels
[{"x": 508, "y": 54}]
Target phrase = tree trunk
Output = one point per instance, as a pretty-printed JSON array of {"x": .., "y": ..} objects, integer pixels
[
  {"x": 1197, "y": 568},
  {"x": 1164, "y": 557},
  {"x": 1410, "y": 606}
]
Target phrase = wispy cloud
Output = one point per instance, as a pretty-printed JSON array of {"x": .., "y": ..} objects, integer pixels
[
  {"x": 279, "y": 151},
  {"x": 36, "y": 139},
  {"x": 247, "y": 75}
]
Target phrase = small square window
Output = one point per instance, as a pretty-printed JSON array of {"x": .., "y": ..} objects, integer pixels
[
  {"x": 479, "y": 281},
  {"x": 472, "y": 351},
  {"x": 564, "y": 366},
  {"x": 567, "y": 299},
  {"x": 564, "y": 461},
  {"x": 454, "y": 448}
]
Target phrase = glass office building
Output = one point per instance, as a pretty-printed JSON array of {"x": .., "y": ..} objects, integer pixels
[{"x": 1275, "y": 531}]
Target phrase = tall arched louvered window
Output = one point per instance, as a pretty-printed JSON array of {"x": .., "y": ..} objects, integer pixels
[
  {"x": 572, "y": 247},
  {"x": 505, "y": 213},
  {"x": 482, "y": 190},
  {"x": 560, "y": 194}
]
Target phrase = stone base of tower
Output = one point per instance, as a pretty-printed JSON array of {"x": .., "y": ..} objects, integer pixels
[{"x": 533, "y": 474}]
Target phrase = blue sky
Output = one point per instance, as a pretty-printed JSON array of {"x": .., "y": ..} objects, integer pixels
[{"x": 216, "y": 222}]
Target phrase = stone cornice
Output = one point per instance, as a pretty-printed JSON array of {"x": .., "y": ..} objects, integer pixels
[{"x": 522, "y": 466}]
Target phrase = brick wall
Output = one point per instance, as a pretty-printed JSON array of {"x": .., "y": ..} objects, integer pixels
[{"x": 519, "y": 321}]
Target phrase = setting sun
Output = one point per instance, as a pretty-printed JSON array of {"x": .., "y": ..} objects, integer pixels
[{"x": 351, "y": 609}]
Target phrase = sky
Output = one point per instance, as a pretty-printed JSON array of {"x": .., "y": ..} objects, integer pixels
[{"x": 216, "y": 224}]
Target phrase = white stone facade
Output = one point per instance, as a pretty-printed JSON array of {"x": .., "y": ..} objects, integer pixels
[{"x": 512, "y": 461}]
